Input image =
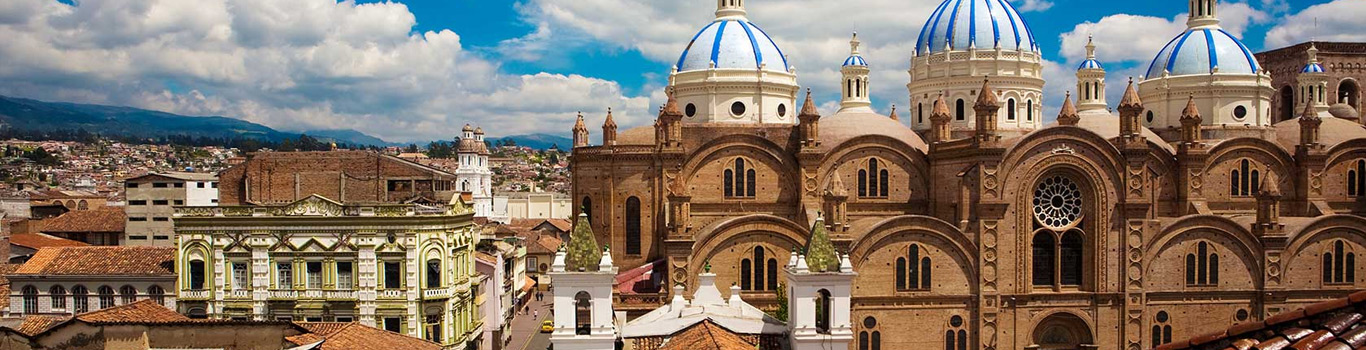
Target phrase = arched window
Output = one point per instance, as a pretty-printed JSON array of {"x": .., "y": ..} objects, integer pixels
[
  {"x": 883, "y": 177},
  {"x": 956, "y": 337},
  {"x": 1339, "y": 264},
  {"x": 106, "y": 297},
  {"x": 1070, "y": 259},
  {"x": 862, "y": 183},
  {"x": 1029, "y": 110},
  {"x": 1162, "y": 331},
  {"x": 196, "y": 274},
  {"x": 772, "y": 274},
  {"x": 873, "y": 180},
  {"x": 823, "y": 311},
  {"x": 157, "y": 294},
  {"x": 30, "y": 300},
  {"x": 80, "y": 299},
  {"x": 128, "y": 295},
  {"x": 1245, "y": 179},
  {"x": 858, "y": 87},
  {"x": 759, "y": 271},
  {"x": 583, "y": 313},
  {"x": 759, "y": 268},
  {"x": 58, "y": 295},
  {"x": 914, "y": 270},
  {"x": 587, "y": 208},
  {"x": 1043, "y": 258},
  {"x": 746, "y": 273},
  {"x": 920, "y": 113},
  {"x": 1202, "y": 266},
  {"x": 1356, "y": 179},
  {"x": 872, "y": 171},
  {"x": 82, "y": 205},
  {"x": 900, "y": 273},
  {"x": 633, "y": 226},
  {"x": 959, "y": 113},
  {"x": 869, "y": 338},
  {"x": 433, "y": 273},
  {"x": 738, "y": 181},
  {"x": 1010, "y": 109}
]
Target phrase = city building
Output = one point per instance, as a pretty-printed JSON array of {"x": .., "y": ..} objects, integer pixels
[
  {"x": 498, "y": 308},
  {"x": 346, "y": 176},
  {"x": 71, "y": 200},
  {"x": 402, "y": 267},
  {"x": 979, "y": 225},
  {"x": 1338, "y": 69},
  {"x": 146, "y": 325},
  {"x": 474, "y": 177},
  {"x": 102, "y": 226},
  {"x": 537, "y": 205},
  {"x": 71, "y": 280},
  {"x": 151, "y": 200},
  {"x": 23, "y": 246}
]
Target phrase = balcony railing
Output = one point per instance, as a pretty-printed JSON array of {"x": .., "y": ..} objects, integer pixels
[
  {"x": 239, "y": 294},
  {"x": 439, "y": 293},
  {"x": 312, "y": 294},
  {"x": 284, "y": 294},
  {"x": 643, "y": 301},
  {"x": 200, "y": 294},
  {"x": 392, "y": 294},
  {"x": 341, "y": 294}
]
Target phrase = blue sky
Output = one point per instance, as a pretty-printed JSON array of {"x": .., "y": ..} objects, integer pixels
[{"x": 417, "y": 70}]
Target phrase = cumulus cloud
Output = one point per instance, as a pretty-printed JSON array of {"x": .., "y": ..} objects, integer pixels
[
  {"x": 1339, "y": 20},
  {"x": 303, "y": 64},
  {"x": 1134, "y": 38},
  {"x": 1033, "y": 5}
]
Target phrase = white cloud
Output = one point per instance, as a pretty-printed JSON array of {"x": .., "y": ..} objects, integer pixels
[
  {"x": 1133, "y": 38},
  {"x": 1339, "y": 20},
  {"x": 301, "y": 64},
  {"x": 1033, "y": 5}
]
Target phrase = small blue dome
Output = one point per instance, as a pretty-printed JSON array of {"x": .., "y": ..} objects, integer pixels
[
  {"x": 984, "y": 24},
  {"x": 732, "y": 43},
  {"x": 1312, "y": 68},
  {"x": 1200, "y": 51},
  {"x": 855, "y": 60},
  {"x": 1089, "y": 64}
]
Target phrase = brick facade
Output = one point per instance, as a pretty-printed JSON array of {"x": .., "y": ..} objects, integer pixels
[
  {"x": 346, "y": 176},
  {"x": 1345, "y": 64}
]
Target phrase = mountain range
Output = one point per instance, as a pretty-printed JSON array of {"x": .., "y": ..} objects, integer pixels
[{"x": 41, "y": 116}]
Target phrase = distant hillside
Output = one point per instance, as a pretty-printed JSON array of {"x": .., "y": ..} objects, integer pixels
[
  {"x": 34, "y": 115},
  {"x": 537, "y": 141}
]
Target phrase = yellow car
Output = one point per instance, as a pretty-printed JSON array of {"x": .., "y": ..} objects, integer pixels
[{"x": 547, "y": 326}]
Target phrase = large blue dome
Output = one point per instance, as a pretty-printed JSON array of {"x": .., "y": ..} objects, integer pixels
[
  {"x": 732, "y": 43},
  {"x": 984, "y": 24},
  {"x": 1200, "y": 51}
]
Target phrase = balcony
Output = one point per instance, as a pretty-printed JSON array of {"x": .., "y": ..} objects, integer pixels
[
  {"x": 340, "y": 295},
  {"x": 312, "y": 294},
  {"x": 439, "y": 293},
  {"x": 392, "y": 294},
  {"x": 639, "y": 302},
  {"x": 239, "y": 294},
  {"x": 199, "y": 294},
  {"x": 284, "y": 294}
]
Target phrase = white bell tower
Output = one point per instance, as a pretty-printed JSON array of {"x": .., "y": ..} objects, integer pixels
[
  {"x": 1091, "y": 81},
  {"x": 1313, "y": 81},
  {"x": 854, "y": 81},
  {"x": 819, "y": 295},
  {"x": 583, "y": 306}
]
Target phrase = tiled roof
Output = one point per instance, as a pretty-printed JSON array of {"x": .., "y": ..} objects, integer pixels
[
  {"x": 141, "y": 312},
  {"x": 355, "y": 336},
  {"x": 100, "y": 220},
  {"x": 39, "y": 240},
  {"x": 543, "y": 244},
  {"x": 486, "y": 257},
  {"x": 34, "y": 324},
  {"x": 101, "y": 261},
  {"x": 1330, "y": 325},
  {"x": 5, "y": 271},
  {"x": 56, "y": 194},
  {"x": 706, "y": 336}
]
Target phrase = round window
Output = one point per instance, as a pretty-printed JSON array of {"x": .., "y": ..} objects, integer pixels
[
  {"x": 956, "y": 321},
  {"x": 1150, "y": 117},
  {"x": 869, "y": 322},
  {"x": 1240, "y": 112},
  {"x": 690, "y": 110},
  {"x": 782, "y": 110},
  {"x": 1242, "y": 315},
  {"x": 1057, "y": 203},
  {"x": 1161, "y": 316},
  {"x": 737, "y": 108}
]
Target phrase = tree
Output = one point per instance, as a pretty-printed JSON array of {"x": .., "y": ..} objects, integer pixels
[{"x": 781, "y": 312}]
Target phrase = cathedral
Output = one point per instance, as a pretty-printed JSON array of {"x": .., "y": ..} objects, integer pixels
[{"x": 971, "y": 223}]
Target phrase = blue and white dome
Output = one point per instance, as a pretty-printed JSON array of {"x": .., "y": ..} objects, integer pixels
[
  {"x": 1089, "y": 63},
  {"x": 1201, "y": 51},
  {"x": 732, "y": 43},
  {"x": 1314, "y": 67},
  {"x": 984, "y": 24},
  {"x": 855, "y": 60}
]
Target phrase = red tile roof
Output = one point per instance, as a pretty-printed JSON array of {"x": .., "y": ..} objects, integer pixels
[
  {"x": 706, "y": 336},
  {"x": 5, "y": 271},
  {"x": 34, "y": 324},
  {"x": 542, "y": 244},
  {"x": 100, "y": 220},
  {"x": 141, "y": 312},
  {"x": 355, "y": 336},
  {"x": 1332, "y": 325},
  {"x": 101, "y": 261},
  {"x": 39, "y": 240}
]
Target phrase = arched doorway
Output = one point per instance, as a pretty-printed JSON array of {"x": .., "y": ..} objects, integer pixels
[
  {"x": 1349, "y": 93},
  {"x": 1287, "y": 103},
  {"x": 1061, "y": 331}
]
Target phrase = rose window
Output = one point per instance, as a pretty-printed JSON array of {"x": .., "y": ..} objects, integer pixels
[{"x": 1057, "y": 203}]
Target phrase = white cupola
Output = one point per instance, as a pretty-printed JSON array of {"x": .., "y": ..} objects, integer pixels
[
  {"x": 854, "y": 81},
  {"x": 1091, "y": 81},
  {"x": 1313, "y": 83}
]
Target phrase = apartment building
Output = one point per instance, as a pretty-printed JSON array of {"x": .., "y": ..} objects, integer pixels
[{"x": 151, "y": 199}]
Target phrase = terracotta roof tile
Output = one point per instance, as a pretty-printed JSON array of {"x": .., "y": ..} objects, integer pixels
[
  {"x": 34, "y": 324},
  {"x": 144, "y": 311},
  {"x": 1336, "y": 324},
  {"x": 355, "y": 336},
  {"x": 706, "y": 336},
  {"x": 39, "y": 240},
  {"x": 101, "y": 261},
  {"x": 102, "y": 220}
]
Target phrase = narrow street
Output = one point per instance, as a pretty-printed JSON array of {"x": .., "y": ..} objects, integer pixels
[{"x": 526, "y": 326}]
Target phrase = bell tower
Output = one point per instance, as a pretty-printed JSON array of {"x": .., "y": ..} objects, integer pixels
[
  {"x": 1313, "y": 81},
  {"x": 1203, "y": 13},
  {"x": 854, "y": 81},
  {"x": 1091, "y": 81}
]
